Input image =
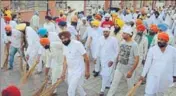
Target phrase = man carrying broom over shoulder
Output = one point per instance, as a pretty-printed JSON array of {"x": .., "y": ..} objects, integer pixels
[{"x": 74, "y": 57}]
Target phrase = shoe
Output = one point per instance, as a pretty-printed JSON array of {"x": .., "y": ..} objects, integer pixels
[
  {"x": 38, "y": 72},
  {"x": 94, "y": 71},
  {"x": 107, "y": 88},
  {"x": 101, "y": 94},
  {"x": 96, "y": 74},
  {"x": 10, "y": 68}
]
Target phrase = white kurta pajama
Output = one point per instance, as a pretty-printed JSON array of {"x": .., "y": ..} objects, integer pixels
[
  {"x": 95, "y": 34},
  {"x": 107, "y": 51},
  {"x": 54, "y": 60},
  {"x": 3, "y": 38},
  {"x": 160, "y": 67},
  {"x": 33, "y": 47},
  {"x": 50, "y": 27},
  {"x": 75, "y": 67}
]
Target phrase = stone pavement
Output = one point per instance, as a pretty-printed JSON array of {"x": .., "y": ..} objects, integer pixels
[{"x": 92, "y": 85}]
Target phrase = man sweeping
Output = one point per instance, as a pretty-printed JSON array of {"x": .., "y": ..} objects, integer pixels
[{"x": 76, "y": 64}]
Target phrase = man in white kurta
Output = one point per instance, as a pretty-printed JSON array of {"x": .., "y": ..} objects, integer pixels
[
  {"x": 107, "y": 51},
  {"x": 34, "y": 22},
  {"x": 53, "y": 53},
  {"x": 49, "y": 25},
  {"x": 142, "y": 42},
  {"x": 160, "y": 67},
  {"x": 74, "y": 66},
  {"x": 3, "y": 37},
  {"x": 33, "y": 47}
]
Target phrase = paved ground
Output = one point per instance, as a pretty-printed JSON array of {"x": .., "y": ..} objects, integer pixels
[{"x": 92, "y": 86}]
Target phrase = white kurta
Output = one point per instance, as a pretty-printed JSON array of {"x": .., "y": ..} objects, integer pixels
[
  {"x": 3, "y": 37},
  {"x": 34, "y": 22},
  {"x": 13, "y": 24},
  {"x": 107, "y": 51},
  {"x": 160, "y": 68},
  {"x": 75, "y": 66},
  {"x": 50, "y": 27}
]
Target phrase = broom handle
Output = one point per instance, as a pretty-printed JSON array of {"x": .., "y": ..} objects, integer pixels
[{"x": 131, "y": 92}]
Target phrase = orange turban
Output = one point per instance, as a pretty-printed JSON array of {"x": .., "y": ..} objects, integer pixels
[
  {"x": 154, "y": 28},
  {"x": 98, "y": 16},
  {"x": 139, "y": 22},
  {"x": 163, "y": 36},
  {"x": 44, "y": 41},
  {"x": 7, "y": 18},
  {"x": 11, "y": 91},
  {"x": 140, "y": 28},
  {"x": 8, "y": 28}
]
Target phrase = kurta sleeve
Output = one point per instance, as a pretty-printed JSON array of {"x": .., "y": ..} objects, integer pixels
[
  {"x": 115, "y": 49},
  {"x": 148, "y": 62},
  {"x": 81, "y": 48},
  {"x": 145, "y": 48}
]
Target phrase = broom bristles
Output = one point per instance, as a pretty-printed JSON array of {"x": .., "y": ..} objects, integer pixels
[
  {"x": 49, "y": 91},
  {"x": 28, "y": 74},
  {"x": 41, "y": 89},
  {"x": 132, "y": 91}
]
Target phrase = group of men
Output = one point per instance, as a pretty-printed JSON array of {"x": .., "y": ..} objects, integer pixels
[{"x": 132, "y": 44}]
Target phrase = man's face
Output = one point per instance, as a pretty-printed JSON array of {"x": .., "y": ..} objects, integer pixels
[
  {"x": 8, "y": 33},
  {"x": 84, "y": 21},
  {"x": 106, "y": 34},
  {"x": 65, "y": 40},
  {"x": 162, "y": 43},
  {"x": 125, "y": 36}
]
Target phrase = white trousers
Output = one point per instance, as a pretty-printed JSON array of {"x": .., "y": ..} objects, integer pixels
[
  {"x": 97, "y": 65},
  {"x": 116, "y": 80},
  {"x": 106, "y": 82},
  {"x": 138, "y": 71},
  {"x": 75, "y": 83}
]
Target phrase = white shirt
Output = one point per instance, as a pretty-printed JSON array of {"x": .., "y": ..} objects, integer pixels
[
  {"x": 74, "y": 55},
  {"x": 35, "y": 21},
  {"x": 15, "y": 38},
  {"x": 50, "y": 27},
  {"x": 13, "y": 24}
]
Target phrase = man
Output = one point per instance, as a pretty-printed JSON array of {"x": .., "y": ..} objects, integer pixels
[
  {"x": 53, "y": 58},
  {"x": 49, "y": 25},
  {"x": 128, "y": 59},
  {"x": 35, "y": 21},
  {"x": 152, "y": 32},
  {"x": 160, "y": 67},
  {"x": 107, "y": 23},
  {"x": 74, "y": 20},
  {"x": 92, "y": 42},
  {"x": 14, "y": 43},
  {"x": 82, "y": 28},
  {"x": 116, "y": 29},
  {"x": 13, "y": 22},
  {"x": 3, "y": 38},
  {"x": 107, "y": 51},
  {"x": 156, "y": 20},
  {"x": 74, "y": 58},
  {"x": 142, "y": 42}
]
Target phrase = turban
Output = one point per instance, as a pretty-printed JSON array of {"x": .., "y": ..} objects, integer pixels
[
  {"x": 163, "y": 36},
  {"x": 98, "y": 16},
  {"x": 42, "y": 32},
  {"x": 127, "y": 29},
  {"x": 21, "y": 27},
  {"x": 107, "y": 15},
  {"x": 95, "y": 23},
  {"x": 140, "y": 28},
  {"x": 44, "y": 41},
  {"x": 61, "y": 12},
  {"x": 119, "y": 22},
  {"x": 8, "y": 28},
  {"x": 139, "y": 22},
  {"x": 11, "y": 91},
  {"x": 66, "y": 34},
  {"x": 48, "y": 17},
  {"x": 163, "y": 27},
  {"x": 7, "y": 18},
  {"x": 62, "y": 23},
  {"x": 154, "y": 28}
]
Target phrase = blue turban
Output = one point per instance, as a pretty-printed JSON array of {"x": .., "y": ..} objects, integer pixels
[
  {"x": 62, "y": 23},
  {"x": 163, "y": 27},
  {"x": 42, "y": 32}
]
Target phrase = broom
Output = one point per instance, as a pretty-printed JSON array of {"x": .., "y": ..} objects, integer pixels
[
  {"x": 29, "y": 73},
  {"x": 49, "y": 91},
  {"x": 5, "y": 65},
  {"x": 41, "y": 89},
  {"x": 132, "y": 91}
]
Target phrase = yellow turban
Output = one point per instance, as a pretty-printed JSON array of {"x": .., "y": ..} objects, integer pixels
[
  {"x": 95, "y": 23},
  {"x": 119, "y": 22},
  {"x": 21, "y": 27}
]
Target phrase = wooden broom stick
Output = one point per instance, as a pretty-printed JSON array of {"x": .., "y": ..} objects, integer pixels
[
  {"x": 41, "y": 89},
  {"x": 49, "y": 91},
  {"x": 29, "y": 73},
  {"x": 133, "y": 90}
]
